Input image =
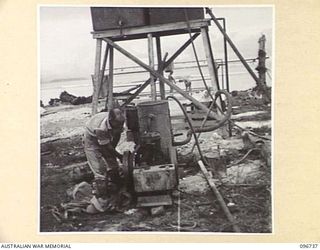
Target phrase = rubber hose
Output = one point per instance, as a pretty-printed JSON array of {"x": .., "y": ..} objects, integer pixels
[
  {"x": 208, "y": 128},
  {"x": 191, "y": 127}
]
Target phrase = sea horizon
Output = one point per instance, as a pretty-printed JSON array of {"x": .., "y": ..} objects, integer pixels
[{"x": 125, "y": 78}]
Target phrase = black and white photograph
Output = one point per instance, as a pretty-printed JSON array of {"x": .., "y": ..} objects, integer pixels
[{"x": 156, "y": 119}]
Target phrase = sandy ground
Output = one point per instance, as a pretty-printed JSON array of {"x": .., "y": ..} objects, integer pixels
[{"x": 245, "y": 185}]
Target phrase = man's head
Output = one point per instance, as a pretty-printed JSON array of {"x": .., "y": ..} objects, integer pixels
[{"x": 116, "y": 119}]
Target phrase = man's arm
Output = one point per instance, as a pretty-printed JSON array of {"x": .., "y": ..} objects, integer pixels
[
  {"x": 115, "y": 139},
  {"x": 108, "y": 150}
]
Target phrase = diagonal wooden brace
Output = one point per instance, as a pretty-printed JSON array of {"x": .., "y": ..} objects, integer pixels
[
  {"x": 145, "y": 84},
  {"x": 159, "y": 76},
  {"x": 163, "y": 65}
]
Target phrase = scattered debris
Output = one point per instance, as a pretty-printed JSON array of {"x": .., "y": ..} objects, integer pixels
[
  {"x": 248, "y": 172},
  {"x": 155, "y": 211},
  {"x": 194, "y": 184},
  {"x": 245, "y": 185},
  {"x": 131, "y": 211}
]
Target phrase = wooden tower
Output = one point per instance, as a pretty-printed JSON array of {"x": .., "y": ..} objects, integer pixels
[{"x": 112, "y": 25}]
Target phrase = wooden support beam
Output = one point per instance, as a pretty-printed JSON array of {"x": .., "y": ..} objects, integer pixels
[
  {"x": 194, "y": 24},
  {"x": 143, "y": 86},
  {"x": 210, "y": 60},
  {"x": 104, "y": 63},
  {"x": 151, "y": 64},
  {"x": 211, "y": 64},
  {"x": 103, "y": 79},
  {"x": 103, "y": 93},
  {"x": 110, "y": 82},
  {"x": 158, "y": 75},
  {"x": 164, "y": 65},
  {"x": 159, "y": 57},
  {"x": 96, "y": 81}
]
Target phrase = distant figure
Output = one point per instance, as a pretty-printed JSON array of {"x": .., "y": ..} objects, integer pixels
[
  {"x": 172, "y": 80},
  {"x": 187, "y": 84},
  {"x": 206, "y": 98},
  {"x": 169, "y": 70}
]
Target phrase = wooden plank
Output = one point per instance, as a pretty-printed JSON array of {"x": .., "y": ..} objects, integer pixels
[
  {"x": 155, "y": 34},
  {"x": 103, "y": 92},
  {"x": 96, "y": 88},
  {"x": 110, "y": 82},
  {"x": 143, "y": 86},
  {"x": 104, "y": 63},
  {"x": 158, "y": 75},
  {"x": 211, "y": 65},
  {"x": 154, "y": 201},
  {"x": 194, "y": 24},
  {"x": 151, "y": 64},
  {"x": 103, "y": 80},
  {"x": 210, "y": 61}
]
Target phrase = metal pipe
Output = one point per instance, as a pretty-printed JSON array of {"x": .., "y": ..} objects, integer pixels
[
  {"x": 226, "y": 55},
  {"x": 222, "y": 78},
  {"x": 226, "y": 65}
]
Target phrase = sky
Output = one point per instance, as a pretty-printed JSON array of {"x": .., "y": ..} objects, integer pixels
[{"x": 67, "y": 49}]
